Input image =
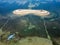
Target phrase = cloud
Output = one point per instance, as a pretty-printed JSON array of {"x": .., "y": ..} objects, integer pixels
[
  {"x": 14, "y": 1},
  {"x": 33, "y": 5},
  {"x": 21, "y": 2},
  {"x": 7, "y": 1}
]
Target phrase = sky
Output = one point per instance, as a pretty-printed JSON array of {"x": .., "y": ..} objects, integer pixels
[{"x": 7, "y": 6}]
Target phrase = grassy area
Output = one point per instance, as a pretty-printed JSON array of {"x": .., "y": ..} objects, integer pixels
[
  {"x": 30, "y": 41},
  {"x": 57, "y": 40},
  {"x": 23, "y": 41}
]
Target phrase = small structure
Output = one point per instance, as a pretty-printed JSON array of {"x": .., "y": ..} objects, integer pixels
[{"x": 10, "y": 36}]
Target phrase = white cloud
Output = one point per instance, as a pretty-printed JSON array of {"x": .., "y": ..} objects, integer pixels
[
  {"x": 21, "y": 2},
  {"x": 33, "y": 5},
  {"x": 14, "y": 1},
  {"x": 37, "y": 4},
  {"x": 7, "y": 1}
]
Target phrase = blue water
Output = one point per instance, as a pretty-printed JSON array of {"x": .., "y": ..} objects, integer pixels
[{"x": 8, "y": 6}]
